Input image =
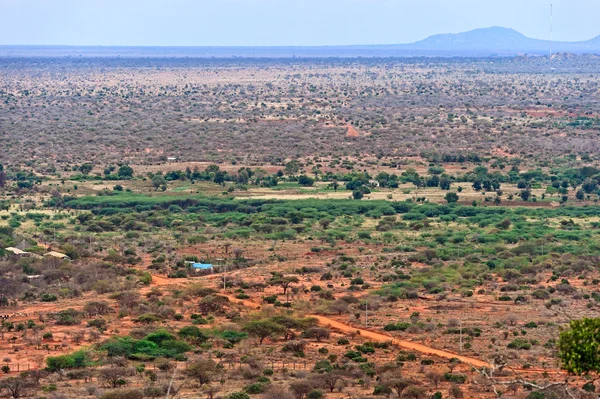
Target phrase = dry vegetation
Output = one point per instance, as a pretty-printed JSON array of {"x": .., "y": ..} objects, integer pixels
[{"x": 417, "y": 228}]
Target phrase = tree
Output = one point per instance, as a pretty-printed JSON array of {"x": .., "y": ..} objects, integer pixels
[
  {"x": 304, "y": 180},
  {"x": 451, "y": 197},
  {"x": 2, "y": 176},
  {"x": 193, "y": 334},
  {"x": 331, "y": 379},
  {"x": 445, "y": 183},
  {"x": 338, "y": 307},
  {"x": 276, "y": 392},
  {"x": 201, "y": 371},
  {"x": 360, "y": 192},
  {"x": 414, "y": 392},
  {"x": 95, "y": 308},
  {"x": 212, "y": 304},
  {"x": 16, "y": 386},
  {"x": 580, "y": 195},
  {"x": 283, "y": 281},
  {"x": 210, "y": 390},
  {"x": 158, "y": 180},
  {"x": 317, "y": 333},
  {"x": 435, "y": 378},
  {"x": 263, "y": 329},
  {"x": 456, "y": 392},
  {"x": 525, "y": 194},
  {"x": 125, "y": 172},
  {"x": 398, "y": 384},
  {"x": 301, "y": 388},
  {"x": 589, "y": 185},
  {"x": 579, "y": 346},
  {"x": 86, "y": 168},
  {"x": 114, "y": 376},
  {"x": 291, "y": 323}
]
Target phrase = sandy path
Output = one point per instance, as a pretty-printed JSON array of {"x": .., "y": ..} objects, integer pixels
[
  {"x": 375, "y": 336},
  {"x": 326, "y": 321},
  {"x": 248, "y": 304}
]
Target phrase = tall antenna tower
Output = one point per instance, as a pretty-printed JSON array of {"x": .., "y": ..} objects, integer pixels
[{"x": 551, "y": 23}]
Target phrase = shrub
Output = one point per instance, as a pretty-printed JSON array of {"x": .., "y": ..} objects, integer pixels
[
  {"x": 48, "y": 297},
  {"x": 400, "y": 326},
  {"x": 79, "y": 359},
  {"x": 455, "y": 378},
  {"x": 519, "y": 343},
  {"x": 256, "y": 388},
  {"x": 123, "y": 394},
  {"x": 315, "y": 394},
  {"x": 238, "y": 395},
  {"x": 382, "y": 390}
]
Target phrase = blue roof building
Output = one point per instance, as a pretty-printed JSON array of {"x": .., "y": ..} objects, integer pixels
[{"x": 202, "y": 266}]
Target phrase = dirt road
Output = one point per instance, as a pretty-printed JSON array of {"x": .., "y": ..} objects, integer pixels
[
  {"x": 379, "y": 337},
  {"x": 375, "y": 336}
]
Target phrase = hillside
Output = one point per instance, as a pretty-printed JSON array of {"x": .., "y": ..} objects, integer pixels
[{"x": 499, "y": 40}]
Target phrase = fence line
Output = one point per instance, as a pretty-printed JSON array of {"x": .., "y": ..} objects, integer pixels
[{"x": 226, "y": 364}]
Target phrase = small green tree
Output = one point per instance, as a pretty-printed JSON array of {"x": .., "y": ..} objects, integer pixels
[
  {"x": 263, "y": 329},
  {"x": 451, "y": 197},
  {"x": 125, "y": 172},
  {"x": 579, "y": 347},
  {"x": 283, "y": 281}
]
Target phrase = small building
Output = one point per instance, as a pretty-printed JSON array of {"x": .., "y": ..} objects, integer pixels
[
  {"x": 201, "y": 267},
  {"x": 21, "y": 253},
  {"x": 16, "y": 251},
  {"x": 57, "y": 255}
]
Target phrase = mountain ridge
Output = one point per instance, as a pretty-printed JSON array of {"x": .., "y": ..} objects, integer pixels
[{"x": 497, "y": 39}]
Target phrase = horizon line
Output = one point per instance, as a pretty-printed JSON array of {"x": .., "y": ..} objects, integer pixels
[{"x": 287, "y": 45}]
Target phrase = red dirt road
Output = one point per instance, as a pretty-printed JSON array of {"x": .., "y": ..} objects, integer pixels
[
  {"x": 326, "y": 321},
  {"x": 375, "y": 336}
]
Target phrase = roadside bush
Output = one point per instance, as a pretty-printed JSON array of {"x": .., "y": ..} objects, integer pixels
[
  {"x": 455, "y": 378},
  {"x": 123, "y": 394}
]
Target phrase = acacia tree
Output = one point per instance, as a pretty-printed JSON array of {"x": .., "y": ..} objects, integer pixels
[
  {"x": 114, "y": 376},
  {"x": 283, "y": 281},
  {"x": 201, "y": 371},
  {"x": 263, "y": 329},
  {"x": 16, "y": 386},
  {"x": 330, "y": 379}
]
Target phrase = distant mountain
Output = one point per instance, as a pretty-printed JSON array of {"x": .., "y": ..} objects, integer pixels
[
  {"x": 498, "y": 40},
  {"x": 494, "y": 41}
]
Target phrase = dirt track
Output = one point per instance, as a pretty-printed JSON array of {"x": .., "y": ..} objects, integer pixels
[
  {"x": 379, "y": 337},
  {"x": 326, "y": 321}
]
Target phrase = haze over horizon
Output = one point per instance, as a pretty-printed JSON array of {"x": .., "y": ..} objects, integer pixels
[{"x": 304, "y": 23}]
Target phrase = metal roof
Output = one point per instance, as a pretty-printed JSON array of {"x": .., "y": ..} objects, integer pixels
[{"x": 202, "y": 266}]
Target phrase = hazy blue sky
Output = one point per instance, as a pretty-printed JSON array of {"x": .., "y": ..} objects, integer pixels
[{"x": 282, "y": 22}]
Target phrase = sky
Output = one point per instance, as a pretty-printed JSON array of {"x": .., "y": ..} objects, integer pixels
[{"x": 281, "y": 22}]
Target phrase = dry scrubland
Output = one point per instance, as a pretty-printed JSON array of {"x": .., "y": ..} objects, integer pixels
[{"x": 419, "y": 228}]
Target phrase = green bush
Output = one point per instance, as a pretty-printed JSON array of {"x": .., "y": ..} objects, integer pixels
[
  {"x": 455, "y": 378},
  {"x": 256, "y": 388},
  {"x": 519, "y": 343},
  {"x": 315, "y": 394},
  {"x": 238, "y": 395},
  {"x": 48, "y": 297},
  {"x": 123, "y": 394},
  {"x": 79, "y": 359},
  {"x": 400, "y": 326}
]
